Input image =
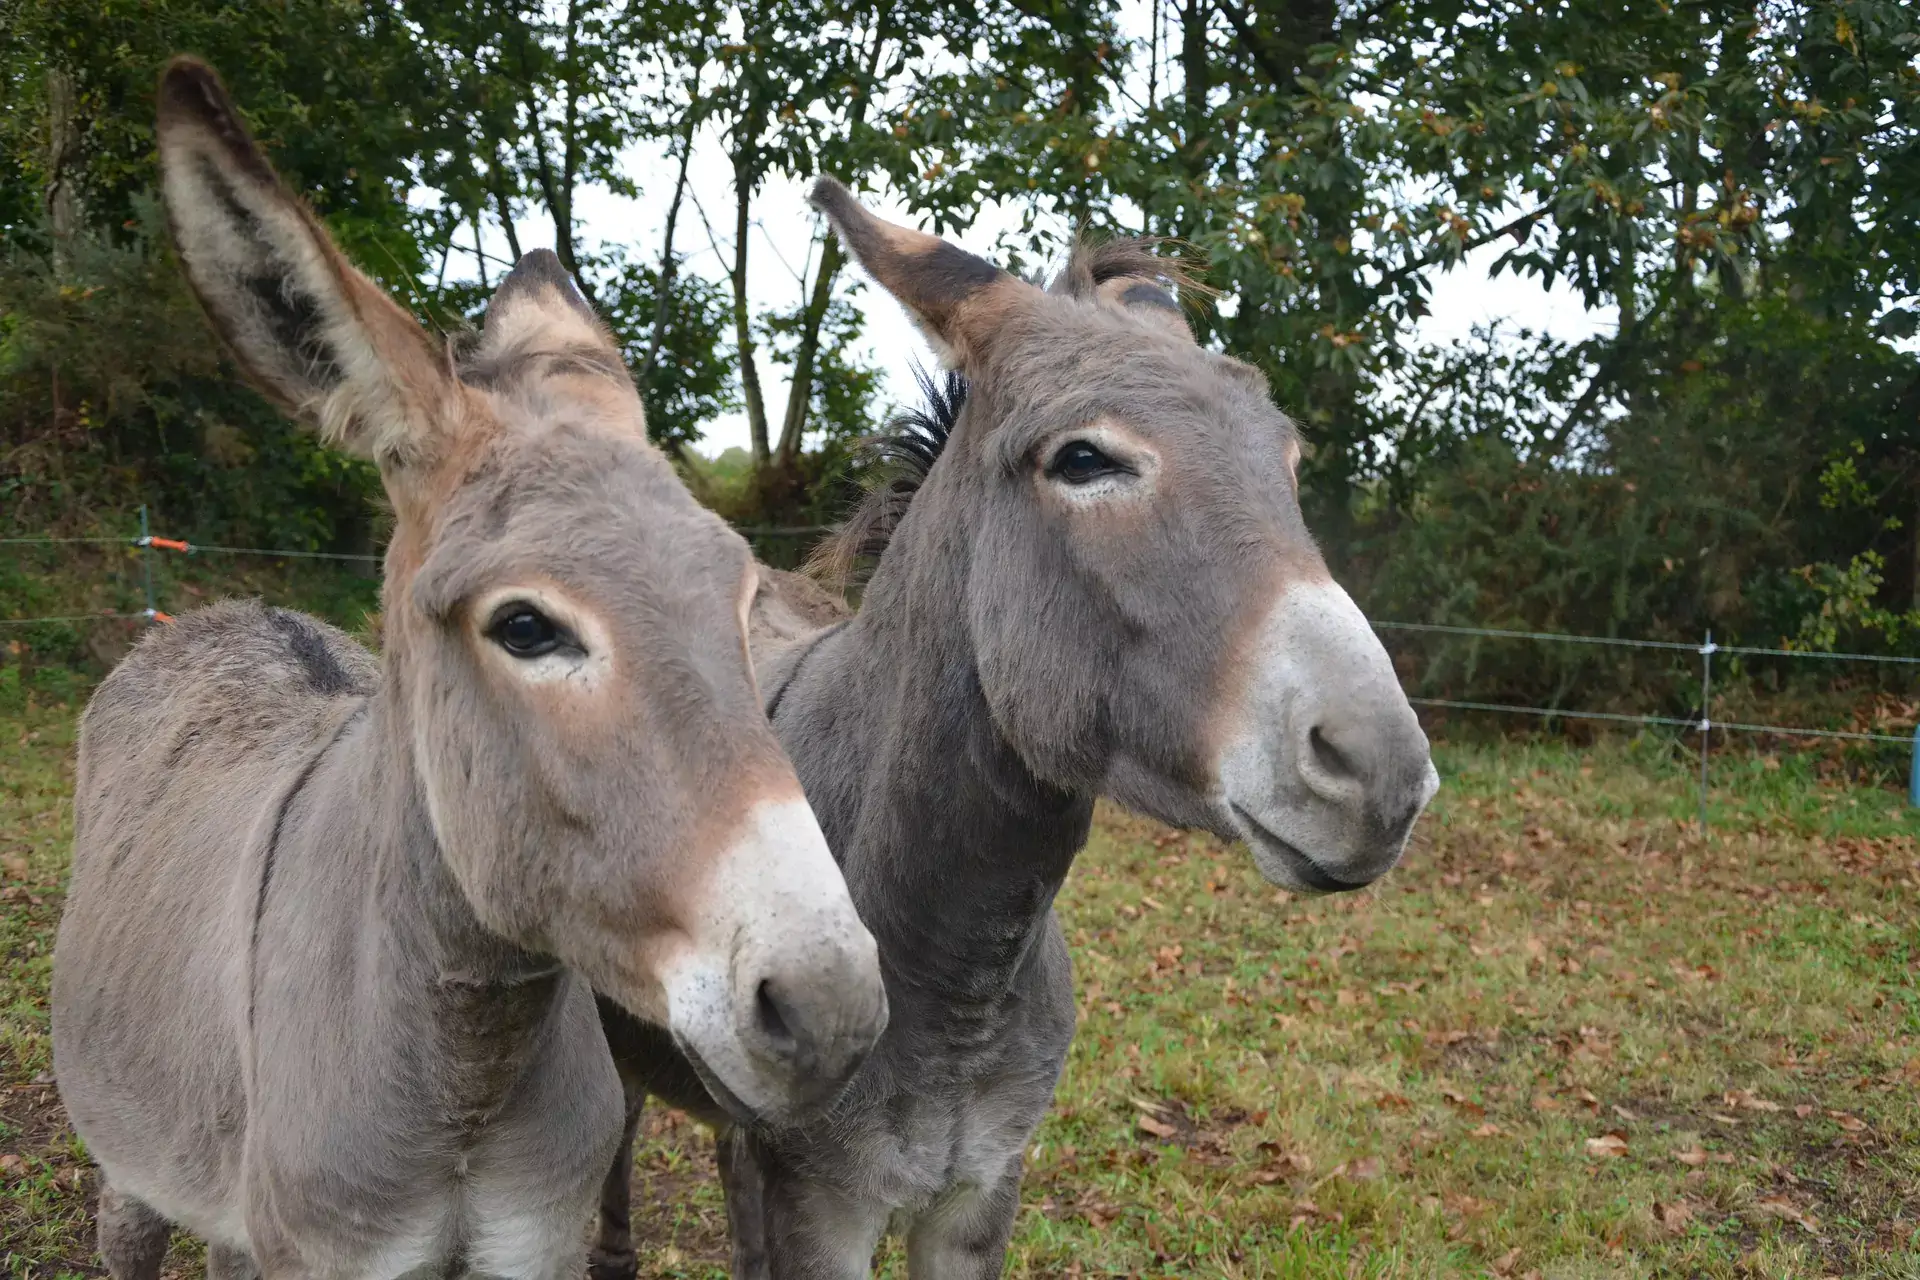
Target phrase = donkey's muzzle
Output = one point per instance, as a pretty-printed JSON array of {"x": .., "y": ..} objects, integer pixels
[
  {"x": 780, "y": 999},
  {"x": 1328, "y": 768}
]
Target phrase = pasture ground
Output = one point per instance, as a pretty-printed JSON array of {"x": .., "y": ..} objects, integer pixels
[{"x": 1567, "y": 1039}]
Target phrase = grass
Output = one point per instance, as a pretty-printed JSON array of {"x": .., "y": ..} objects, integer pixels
[{"x": 1569, "y": 1038}]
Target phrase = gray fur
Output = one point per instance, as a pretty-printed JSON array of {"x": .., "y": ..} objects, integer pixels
[
  {"x": 323, "y": 989},
  {"x": 1024, "y": 646}
]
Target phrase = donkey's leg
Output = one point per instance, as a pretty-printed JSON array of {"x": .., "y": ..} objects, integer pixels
[
  {"x": 965, "y": 1236},
  {"x": 612, "y": 1257},
  {"x": 133, "y": 1236},
  {"x": 230, "y": 1264},
  {"x": 813, "y": 1232},
  {"x": 743, "y": 1175}
]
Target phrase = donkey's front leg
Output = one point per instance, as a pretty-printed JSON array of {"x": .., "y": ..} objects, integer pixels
[
  {"x": 811, "y": 1231},
  {"x": 964, "y": 1237},
  {"x": 743, "y": 1175},
  {"x": 612, "y": 1257}
]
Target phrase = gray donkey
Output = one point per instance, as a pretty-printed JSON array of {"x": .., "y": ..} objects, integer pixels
[
  {"x": 321, "y": 993},
  {"x": 1101, "y": 585}
]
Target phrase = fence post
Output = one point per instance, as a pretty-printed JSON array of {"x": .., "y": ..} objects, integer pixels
[
  {"x": 146, "y": 564},
  {"x": 1706, "y": 722},
  {"x": 1913, "y": 772}
]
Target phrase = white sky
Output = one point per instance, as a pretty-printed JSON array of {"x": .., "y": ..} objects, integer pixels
[{"x": 784, "y": 227}]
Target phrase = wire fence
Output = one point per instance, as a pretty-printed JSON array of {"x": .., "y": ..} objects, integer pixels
[{"x": 1704, "y": 724}]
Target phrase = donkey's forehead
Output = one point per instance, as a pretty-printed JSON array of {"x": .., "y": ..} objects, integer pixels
[
  {"x": 578, "y": 505},
  {"x": 1079, "y": 361}
]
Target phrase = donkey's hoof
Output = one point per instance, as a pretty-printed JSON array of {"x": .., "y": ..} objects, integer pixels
[{"x": 605, "y": 1265}]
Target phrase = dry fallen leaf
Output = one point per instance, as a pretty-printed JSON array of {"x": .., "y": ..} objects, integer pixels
[
  {"x": 1365, "y": 1169},
  {"x": 1747, "y": 1100},
  {"x": 1506, "y": 1262},
  {"x": 12, "y": 1166},
  {"x": 1608, "y": 1146},
  {"x": 1674, "y": 1217},
  {"x": 1852, "y": 1124},
  {"x": 1487, "y": 1130},
  {"x": 15, "y": 867},
  {"x": 1803, "y": 1110},
  {"x": 1696, "y": 1155},
  {"x": 1158, "y": 1128},
  {"x": 1780, "y": 1207}
]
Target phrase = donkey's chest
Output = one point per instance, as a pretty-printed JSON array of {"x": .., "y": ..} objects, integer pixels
[{"x": 931, "y": 1146}]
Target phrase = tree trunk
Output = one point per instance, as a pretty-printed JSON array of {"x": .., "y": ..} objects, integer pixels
[
  {"x": 743, "y": 184},
  {"x": 793, "y": 425},
  {"x": 800, "y": 394},
  {"x": 63, "y": 153},
  {"x": 669, "y": 264}
]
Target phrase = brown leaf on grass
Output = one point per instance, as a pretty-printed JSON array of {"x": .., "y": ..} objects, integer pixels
[
  {"x": 1365, "y": 1169},
  {"x": 1852, "y": 1124},
  {"x": 12, "y": 1166},
  {"x": 1280, "y": 1165},
  {"x": 1393, "y": 1102},
  {"x": 1463, "y": 1103},
  {"x": 1694, "y": 1156},
  {"x": 1546, "y": 1102},
  {"x": 1506, "y": 1262},
  {"x": 1786, "y": 1210},
  {"x": 1611, "y": 1145},
  {"x": 1747, "y": 1100},
  {"x": 1803, "y": 1110},
  {"x": 1158, "y": 1128},
  {"x": 1487, "y": 1130},
  {"x": 14, "y": 867},
  {"x": 1675, "y": 1216}
]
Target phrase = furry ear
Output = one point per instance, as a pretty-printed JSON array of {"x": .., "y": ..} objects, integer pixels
[
  {"x": 316, "y": 335},
  {"x": 959, "y": 300},
  {"x": 1130, "y": 276}
]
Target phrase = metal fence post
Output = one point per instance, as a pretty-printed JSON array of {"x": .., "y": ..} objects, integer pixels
[
  {"x": 146, "y": 564},
  {"x": 1913, "y": 771},
  {"x": 1706, "y": 722}
]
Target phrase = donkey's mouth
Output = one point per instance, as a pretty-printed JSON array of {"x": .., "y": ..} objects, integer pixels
[
  {"x": 726, "y": 1099},
  {"x": 1291, "y": 856}
]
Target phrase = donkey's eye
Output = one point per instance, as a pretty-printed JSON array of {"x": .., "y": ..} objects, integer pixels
[
  {"x": 525, "y": 632},
  {"x": 1078, "y": 462}
]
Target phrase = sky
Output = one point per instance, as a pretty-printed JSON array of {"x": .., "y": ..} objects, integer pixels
[{"x": 1464, "y": 297}]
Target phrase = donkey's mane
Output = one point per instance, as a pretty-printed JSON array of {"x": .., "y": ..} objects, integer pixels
[{"x": 903, "y": 455}]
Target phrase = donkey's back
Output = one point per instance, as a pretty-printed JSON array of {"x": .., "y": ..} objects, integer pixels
[{"x": 187, "y": 753}]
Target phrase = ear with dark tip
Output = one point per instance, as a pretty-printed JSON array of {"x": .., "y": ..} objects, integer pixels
[
  {"x": 1149, "y": 300},
  {"x": 958, "y": 299},
  {"x": 314, "y": 334}
]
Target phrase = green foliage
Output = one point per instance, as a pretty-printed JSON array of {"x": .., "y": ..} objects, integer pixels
[
  {"x": 1738, "y": 182},
  {"x": 677, "y": 346}
]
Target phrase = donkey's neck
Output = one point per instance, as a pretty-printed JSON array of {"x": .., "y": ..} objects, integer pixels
[
  {"x": 426, "y": 983},
  {"x": 952, "y": 848}
]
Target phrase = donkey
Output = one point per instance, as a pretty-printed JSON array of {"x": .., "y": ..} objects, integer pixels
[
  {"x": 323, "y": 989},
  {"x": 1101, "y": 585}
]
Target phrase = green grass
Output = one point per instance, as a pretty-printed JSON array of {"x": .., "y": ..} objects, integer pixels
[{"x": 1567, "y": 1038}]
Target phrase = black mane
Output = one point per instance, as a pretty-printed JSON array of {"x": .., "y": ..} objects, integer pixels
[{"x": 901, "y": 459}]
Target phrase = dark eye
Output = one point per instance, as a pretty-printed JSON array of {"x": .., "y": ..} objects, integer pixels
[
  {"x": 524, "y": 631},
  {"x": 1078, "y": 462}
]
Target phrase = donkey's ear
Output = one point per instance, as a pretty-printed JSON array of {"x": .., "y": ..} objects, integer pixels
[
  {"x": 315, "y": 334},
  {"x": 958, "y": 299},
  {"x": 1149, "y": 300}
]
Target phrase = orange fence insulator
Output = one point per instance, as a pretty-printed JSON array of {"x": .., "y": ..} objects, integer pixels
[{"x": 171, "y": 544}]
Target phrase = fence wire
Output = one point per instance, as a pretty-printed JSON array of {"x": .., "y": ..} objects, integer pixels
[{"x": 1704, "y": 724}]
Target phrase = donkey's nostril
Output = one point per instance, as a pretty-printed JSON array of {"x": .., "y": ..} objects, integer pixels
[
  {"x": 772, "y": 1018},
  {"x": 1329, "y": 757}
]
